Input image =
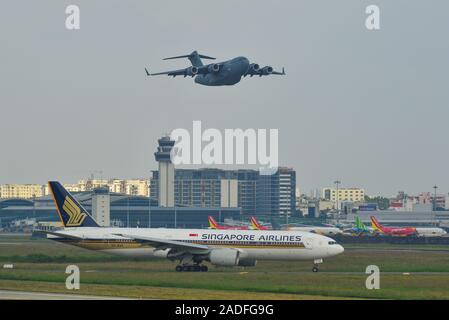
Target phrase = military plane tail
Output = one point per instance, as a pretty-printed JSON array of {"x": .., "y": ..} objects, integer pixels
[{"x": 194, "y": 57}]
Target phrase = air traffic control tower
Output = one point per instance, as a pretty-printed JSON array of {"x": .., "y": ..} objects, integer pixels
[{"x": 166, "y": 172}]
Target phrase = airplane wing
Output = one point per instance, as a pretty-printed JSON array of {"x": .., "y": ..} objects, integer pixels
[
  {"x": 265, "y": 71},
  {"x": 162, "y": 244},
  {"x": 279, "y": 73},
  {"x": 190, "y": 71},
  {"x": 173, "y": 73}
]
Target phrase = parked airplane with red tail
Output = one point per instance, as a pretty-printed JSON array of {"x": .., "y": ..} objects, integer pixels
[
  {"x": 257, "y": 226},
  {"x": 407, "y": 231},
  {"x": 214, "y": 225},
  {"x": 391, "y": 231}
]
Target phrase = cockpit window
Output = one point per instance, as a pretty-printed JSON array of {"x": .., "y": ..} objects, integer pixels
[{"x": 332, "y": 242}]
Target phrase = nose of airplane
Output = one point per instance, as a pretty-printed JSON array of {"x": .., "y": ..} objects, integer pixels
[
  {"x": 340, "y": 249},
  {"x": 335, "y": 249}
]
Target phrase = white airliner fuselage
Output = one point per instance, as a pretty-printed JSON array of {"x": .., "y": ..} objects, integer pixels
[
  {"x": 325, "y": 231},
  {"x": 430, "y": 232},
  {"x": 220, "y": 247},
  {"x": 189, "y": 246}
]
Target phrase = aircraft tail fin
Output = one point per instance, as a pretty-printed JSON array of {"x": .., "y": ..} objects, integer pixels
[
  {"x": 375, "y": 224},
  {"x": 359, "y": 224},
  {"x": 212, "y": 223},
  {"x": 194, "y": 57},
  {"x": 71, "y": 212},
  {"x": 255, "y": 224}
]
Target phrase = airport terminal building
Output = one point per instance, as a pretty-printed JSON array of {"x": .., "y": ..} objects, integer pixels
[
  {"x": 401, "y": 218},
  {"x": 125, "y": 211}
]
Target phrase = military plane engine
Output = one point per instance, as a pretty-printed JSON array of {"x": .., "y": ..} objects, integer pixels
[
  {"x": 213, "y": 68},
  {"x": 266, "y": 71},
  {"x": 191, "y": 71},
  {"x": 253, "y": 68}
]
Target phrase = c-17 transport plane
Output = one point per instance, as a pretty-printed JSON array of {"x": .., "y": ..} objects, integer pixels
[
  {"x": 226, "y": 73},
  {"x": 191, "y": 247}
]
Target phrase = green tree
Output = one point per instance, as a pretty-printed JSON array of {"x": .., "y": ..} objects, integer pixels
[{"x": 382, "y": 202}]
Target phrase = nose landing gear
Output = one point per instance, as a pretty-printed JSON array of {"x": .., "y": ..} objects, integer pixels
[{"x": 316, "y": 262}]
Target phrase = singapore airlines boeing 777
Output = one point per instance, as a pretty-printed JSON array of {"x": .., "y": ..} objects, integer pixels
[{"x": 191, "y": 247}]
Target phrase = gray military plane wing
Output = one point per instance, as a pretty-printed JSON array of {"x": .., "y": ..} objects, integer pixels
[{"x": 226, "y": 73}]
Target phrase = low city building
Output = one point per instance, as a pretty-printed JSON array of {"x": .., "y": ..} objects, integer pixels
[
  {"x": 344, "y": 194},
  {"x": 136, "y": 187},
  {"x": 22, "y": 191}
]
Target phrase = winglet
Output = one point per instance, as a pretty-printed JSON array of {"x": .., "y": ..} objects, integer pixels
[
  {"x": 283, "y": 71},
  {"x": 148, "y": 73}
]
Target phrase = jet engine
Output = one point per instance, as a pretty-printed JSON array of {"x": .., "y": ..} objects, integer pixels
[
  {"x": 161, "y": 253},
  {"x": 266, "y": 70},
  {"x": 213, "y": 68},
  {"x": 253, "y": 68},
  {"x": 192, "y": 71},
  {"x": 224, "y": 257}
]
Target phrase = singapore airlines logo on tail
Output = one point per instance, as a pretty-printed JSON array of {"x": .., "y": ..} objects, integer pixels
[{"x": 76, "y": 217}]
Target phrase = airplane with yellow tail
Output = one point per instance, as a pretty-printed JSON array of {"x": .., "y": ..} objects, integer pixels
[{"x": 191, "y": 247}]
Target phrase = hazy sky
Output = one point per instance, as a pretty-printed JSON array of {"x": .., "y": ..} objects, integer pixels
[{"x": 369, "y": 108}]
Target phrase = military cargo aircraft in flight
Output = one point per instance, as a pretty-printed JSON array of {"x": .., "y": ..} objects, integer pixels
[{"x": 226, "y": 73}]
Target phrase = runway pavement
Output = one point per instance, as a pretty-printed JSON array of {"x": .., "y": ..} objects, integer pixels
[{"x": 28, "y": 295}]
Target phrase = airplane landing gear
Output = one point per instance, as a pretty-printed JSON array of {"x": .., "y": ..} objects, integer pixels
[
  {"x": 191, "y": 268},
  {"x": 188, "y": 263},
  {"x": 316, "y": 262}
]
